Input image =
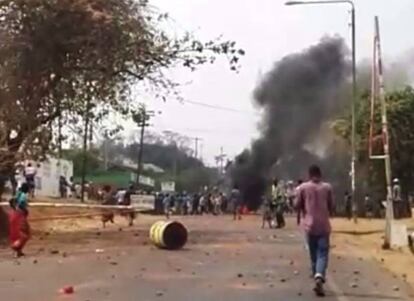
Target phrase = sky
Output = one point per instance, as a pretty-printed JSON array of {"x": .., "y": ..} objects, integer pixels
[{"x": 267, "y": 30}]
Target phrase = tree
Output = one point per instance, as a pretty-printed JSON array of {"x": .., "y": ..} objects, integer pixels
[
  {"x": 400, "y": 107},
  {"x": 70, "y": 58}
]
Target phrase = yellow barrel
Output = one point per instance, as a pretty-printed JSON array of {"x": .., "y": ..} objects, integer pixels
[{"x": 168, "y": 235}]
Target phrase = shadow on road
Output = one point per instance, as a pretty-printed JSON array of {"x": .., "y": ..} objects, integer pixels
[
  {"x": 368, "y": 296},
  {"x": 358, "y": 233}
]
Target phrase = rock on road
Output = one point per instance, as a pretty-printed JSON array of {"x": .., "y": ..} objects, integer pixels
[{"x": 223, "y": 260}]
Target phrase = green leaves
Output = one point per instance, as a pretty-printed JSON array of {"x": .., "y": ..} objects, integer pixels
[{"x": 78, "y": 57}]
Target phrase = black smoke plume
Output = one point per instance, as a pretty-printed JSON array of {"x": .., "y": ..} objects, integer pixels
[{"x": 297, "y": 95}]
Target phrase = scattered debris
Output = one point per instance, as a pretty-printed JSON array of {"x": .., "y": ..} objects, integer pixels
[
  {"x": 354, "y": 285},
  {"x": 34, "y": 261},
  {"x": 296, "y": 272},
  {"x": 283, "y": 279},
  {"x": 64, "y": 254},
  {"x": 159, "y": 293},
  {"x": 395, "y": 288},
  {"x": 240, "y": 275},
  {"x": 67, "y": 290},
  {"x": 54, "y": 251},
  {"x": 98, "y": 233},
  {"x": 356, "y": 272},
  {"x": 113, "y": 263},
  {"x": 99, "y": 250},
  {"x": 291, "y": 262}
]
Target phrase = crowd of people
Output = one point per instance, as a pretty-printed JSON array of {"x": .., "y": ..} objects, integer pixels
[{"x": 213, "y": 202}]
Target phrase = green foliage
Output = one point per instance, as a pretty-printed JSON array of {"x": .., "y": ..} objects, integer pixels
[
  {"x": 79, "y": 58},
  {"x": 400, "y": 112}
]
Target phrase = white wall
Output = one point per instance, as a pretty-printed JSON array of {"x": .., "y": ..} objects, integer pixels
[{"x": 47, "y": 176}]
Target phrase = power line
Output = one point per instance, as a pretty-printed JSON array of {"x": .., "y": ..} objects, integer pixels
[{"x": 216, "y": 107}]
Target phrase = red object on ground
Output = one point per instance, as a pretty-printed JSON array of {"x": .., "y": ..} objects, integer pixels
[
  {"x": 19, "y": 229},
  {"x": 67, "y": 290}
]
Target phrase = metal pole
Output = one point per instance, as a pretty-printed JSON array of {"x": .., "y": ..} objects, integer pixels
[
  {"x": 389, "y": 210},
  {"x": 353, "y": 138},
  {"x": 196, "y": 139},
  {"x": 141, "y": 145},
  {"x": 85, "y": 147}
]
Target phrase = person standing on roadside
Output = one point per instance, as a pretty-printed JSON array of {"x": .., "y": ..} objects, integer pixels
[
  {"x": 19, "y": 228},
  {"x": 315, "y": 203},
  {"x": 235, "y": 197},
  {"x": 30, "y": 174}
]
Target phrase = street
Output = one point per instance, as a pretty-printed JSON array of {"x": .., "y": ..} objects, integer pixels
[{"x": 223, "y": 260}]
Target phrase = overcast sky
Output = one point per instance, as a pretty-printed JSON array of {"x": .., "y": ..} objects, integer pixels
[{"x": 267, "y": 30}]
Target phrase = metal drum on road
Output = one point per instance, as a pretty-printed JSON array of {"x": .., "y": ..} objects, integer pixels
[{"x": 168, "y": 235}]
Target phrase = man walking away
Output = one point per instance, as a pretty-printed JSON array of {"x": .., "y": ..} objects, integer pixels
[{"x": 315, "y": 202}]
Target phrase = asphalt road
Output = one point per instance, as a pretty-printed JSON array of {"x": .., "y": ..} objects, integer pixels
[{"x": 224, "y": 260}]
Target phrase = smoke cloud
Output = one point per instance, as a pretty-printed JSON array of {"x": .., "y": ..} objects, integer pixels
[{"x": 297, "y": 96}]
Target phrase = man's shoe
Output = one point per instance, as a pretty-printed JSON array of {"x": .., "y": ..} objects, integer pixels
[{"x": 318, "y": 289}]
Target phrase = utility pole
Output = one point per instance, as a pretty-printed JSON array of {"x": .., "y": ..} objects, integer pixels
[
  {"x": 220, "y": 161},
  {"x": 378, "y": 92},
  {"x": 85, "y": 147},
  {"x": 141, "y": 118},
  {"x": 105, "y": 146},
  {"x": 196, "y": 140}
]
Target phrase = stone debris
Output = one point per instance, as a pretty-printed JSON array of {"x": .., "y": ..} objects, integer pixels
[
  {"x": 35, "y": 261},
  {"x": 240, "y": 275},
  {"x": 99, "y": 250},
  {"x": 354, "y": 285},
  {"x": 113, "y": 263},
  {"x": 159, "y": 293},
  {"x": 356, "y": 272},
  {"x": 54, "y": 251},
  {"x": 67, "y": 290},
  {"x": 395, "y": 288}
]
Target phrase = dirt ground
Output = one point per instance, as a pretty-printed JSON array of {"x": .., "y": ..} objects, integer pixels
[
  {"x": 365, "y": 239},
  {"x": 74, "y": 233}
]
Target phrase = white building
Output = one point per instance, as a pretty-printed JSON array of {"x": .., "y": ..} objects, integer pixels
[{"x": 47, "y": 175}]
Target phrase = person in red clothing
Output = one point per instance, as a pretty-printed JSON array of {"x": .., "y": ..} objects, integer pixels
[
  {"x": 315, "y": 204},
  {"x": 19, "y": 228}
]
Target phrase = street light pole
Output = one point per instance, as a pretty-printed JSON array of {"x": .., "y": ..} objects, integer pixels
[{"x": 354, "y": 92}]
